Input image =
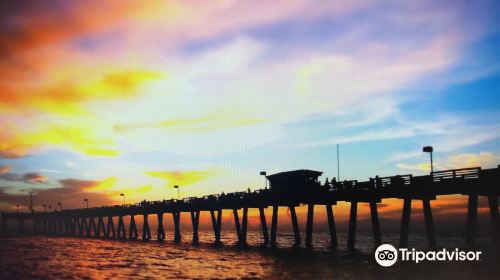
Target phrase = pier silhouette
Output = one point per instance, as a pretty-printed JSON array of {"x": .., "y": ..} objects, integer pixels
[{"x": 288, "y": 189}]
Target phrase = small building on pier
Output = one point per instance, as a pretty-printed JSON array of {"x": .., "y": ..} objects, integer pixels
[{"x": 296, "y": 181}]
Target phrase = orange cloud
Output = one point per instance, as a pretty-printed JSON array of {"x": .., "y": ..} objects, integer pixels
[
  {"x": 67, "y": 96},
  {"x": 85, "y": 133},
  {"x": 101, "y": 186},
  {"x": 81, "y": 137},
  {"x": 35, "y": 25},
  {"x": 182, "y": 178}
]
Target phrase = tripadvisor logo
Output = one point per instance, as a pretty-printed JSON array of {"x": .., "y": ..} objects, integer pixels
[{"x": 387, "y": 255}]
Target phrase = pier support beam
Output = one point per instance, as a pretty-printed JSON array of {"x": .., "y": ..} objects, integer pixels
[
  {"x": 331, "y": 225},
  {"x": 121, "y": 234},
  {"x": 244, "y": 226},
  {"x": 274, "y": 225},
  {"x": 60, "y": 229},
  {"x": 216, "y": 224},
  {"x": 295, "y": 225},
  {"x": 195, "y": 220},
  {"x": 100, "y": 226},
  {"x": 110, "y": 230},
  {"x": 68, "y": 223},
  {"x": 46, "y": 229},
  {"x": 72, "y": 227},
  {"x": 309, "y": 225},
  {"x": 375, "y": 223},
  {"x": 53, "y": 226},
  {"x": 146, "y": 233},
  {"x": 471, "y": 220},
  {"x": 177, "y": 229},
  {"x": 79, "y": 225},
  {"x": 405, "y": 223},
  {"x": 35, "y": 226},
  {"x": 4, "y": 224},
  {"x": 49, "y": 226},
  {"x": 429, "y": 224},
  {"x": 351, "y": 238},
  {"x": 160, "y": 234},
  {"x": 86, "y": 226},
  {"x": 238, "y": 226},
  {"x": 20, "y": 226},
  {"x": 494, "y": 219},
  {"x": 46, "y": 226},
  {"x": 67, "y": 227},
  {"x": 133, "y": 229},
  {"x": 263, "y": 225},
  {"x": 92, "y": 227}
]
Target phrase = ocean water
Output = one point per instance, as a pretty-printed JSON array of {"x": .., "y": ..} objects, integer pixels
[{"x": 90, "y": 258}]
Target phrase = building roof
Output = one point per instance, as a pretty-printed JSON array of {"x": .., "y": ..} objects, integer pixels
[{"x": 304, "y": 173}]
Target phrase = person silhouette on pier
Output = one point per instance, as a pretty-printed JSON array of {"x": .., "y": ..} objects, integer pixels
[{"x": 327, "y": 184}]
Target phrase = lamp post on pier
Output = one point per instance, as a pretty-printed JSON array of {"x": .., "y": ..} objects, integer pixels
[
  {"x": 60, "y": 205},
  {"x": 178, "y": 193},
  {"x": 123, "y": 195},
  {"x": 86, "y": 202},
  {"x": 429, "y": 149}
]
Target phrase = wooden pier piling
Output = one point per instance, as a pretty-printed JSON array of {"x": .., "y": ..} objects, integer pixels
[
  {"x": 263, "y": 226},
  {"x": 133, "y": 229},
  {"x": 494, "y": 219},
  {"x": 237, "y": 226},
  {"x": 86, "y": 226},
  {"x": 121, "y": 234},
  {"x": 177, "y": 227},
  {"x": 78, "y": 222},
  {"x": 309, "y": 224},
  {"x": 92, "y": 226},
  {"x": 195, "y": 220},
  {"x": 405, "y": 223},
  {"x": 331, "y": 225},
  {"x": 146, "y": 233},
  {"x": 244, "y": 226},
  {"x": 160, "y": 233},
  {"x": 429, "y": 224},
  {"x": 375, "y": 223},
  {"x": 216, "y": 224},
  {"x": 110, "y": 230},
  {"x": 351, "y": 236},
  {"x": 471, "y": 220},
  {"x": 295, "y": 225},
  {"x": 100, "y": 227},
  {"x": 274, "y": 225}
]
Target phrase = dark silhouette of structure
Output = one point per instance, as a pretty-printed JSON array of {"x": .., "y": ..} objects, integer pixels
[{"x": 288, "y": 189}]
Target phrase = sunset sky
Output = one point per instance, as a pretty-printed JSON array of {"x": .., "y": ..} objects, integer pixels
[{"x": 99, "y": 98}]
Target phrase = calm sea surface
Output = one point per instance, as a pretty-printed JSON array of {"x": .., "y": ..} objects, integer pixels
[{"x": 77, "y": 258}]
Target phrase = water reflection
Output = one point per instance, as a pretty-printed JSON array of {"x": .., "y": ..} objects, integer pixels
[{"x": 77, "y": 258}]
